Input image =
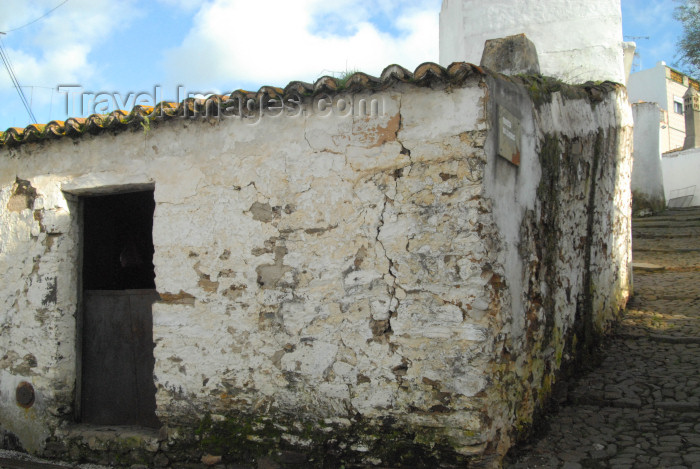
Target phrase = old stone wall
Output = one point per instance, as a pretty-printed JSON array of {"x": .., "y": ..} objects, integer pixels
[
  {"x": 372, "y": 288},
  {"x": 563, "y": 218}
]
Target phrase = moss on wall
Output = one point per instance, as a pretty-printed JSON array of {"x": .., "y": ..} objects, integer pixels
[
  {"x": 572, "y": 168},
  {"x": 643, "y": 205},
  {"x": 288, "y": 441},
  {"x": 541, "y": 89}
]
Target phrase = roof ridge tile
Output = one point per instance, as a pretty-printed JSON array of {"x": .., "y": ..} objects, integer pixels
[{"x": 241, "y": 101}]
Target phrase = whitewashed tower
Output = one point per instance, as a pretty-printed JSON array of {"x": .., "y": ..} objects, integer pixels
[{"x": 576, "y": 41}]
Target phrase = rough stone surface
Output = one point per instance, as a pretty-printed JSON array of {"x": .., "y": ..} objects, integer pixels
[
  {"x": 639, "y": 408},
  {"x": 334, "y": 287},
  {"x": 511, "y": 55}
]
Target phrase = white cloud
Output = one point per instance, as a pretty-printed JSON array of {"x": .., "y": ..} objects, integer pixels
[
  {"x": 230, "y": 43},
  {"x": 57, "y": 49},
  {"x": 271, "y": 42}
]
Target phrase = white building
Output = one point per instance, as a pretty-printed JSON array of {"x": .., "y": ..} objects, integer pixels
[
  {"x": 647, "y": 175},
  {"x": 576, "y": 41},
  {"x": 310, "y": 277},
  {"x": 679, "y": 169},
  {"x": 666, "y": 87}
]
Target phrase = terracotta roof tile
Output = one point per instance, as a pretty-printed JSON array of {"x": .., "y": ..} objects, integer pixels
[
  {"x": 300, "y": 88},
  {"x": 361, "y": 81},
  {"x": 427, "y": 74},
  {"x": 326, "y": 85},
  {"x": 396, "y": 74}
]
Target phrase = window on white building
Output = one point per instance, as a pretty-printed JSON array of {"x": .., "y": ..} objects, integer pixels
[{"x": 678, "y": 105}]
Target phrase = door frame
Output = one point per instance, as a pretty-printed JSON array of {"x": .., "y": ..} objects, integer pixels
[{"x": 75, "y": 197}]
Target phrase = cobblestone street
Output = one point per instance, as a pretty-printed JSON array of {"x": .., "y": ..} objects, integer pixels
[{"x": 641, "y": 407}]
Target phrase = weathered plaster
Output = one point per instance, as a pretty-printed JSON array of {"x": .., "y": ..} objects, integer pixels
[{"x": 332, "y": 275}]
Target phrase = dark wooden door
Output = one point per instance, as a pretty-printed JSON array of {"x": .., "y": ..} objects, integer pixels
[{"x": 117, "y": 375}]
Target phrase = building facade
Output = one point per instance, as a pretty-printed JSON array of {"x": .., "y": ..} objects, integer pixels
[
  {"x": 389, "y": 271},
  {"x": 666, "y": 87}
]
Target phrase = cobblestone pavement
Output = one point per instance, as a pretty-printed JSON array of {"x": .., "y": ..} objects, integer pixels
[{"x": 641, "y": 407}]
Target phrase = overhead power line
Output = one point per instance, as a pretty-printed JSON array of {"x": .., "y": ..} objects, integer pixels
[
  {"x": 39, "y": 18},
  {"x": 6, "y": 60},
  {"x": 8, "y": 65}
]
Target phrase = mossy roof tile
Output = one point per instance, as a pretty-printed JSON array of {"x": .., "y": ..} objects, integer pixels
[{"x": 427, "y": 74}]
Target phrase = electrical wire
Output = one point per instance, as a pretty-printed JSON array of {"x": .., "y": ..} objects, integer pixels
[
  {"x": 8, "y": 65},
  {"x": 41, "y": 17},
  {"x": 15, "y": 82}
]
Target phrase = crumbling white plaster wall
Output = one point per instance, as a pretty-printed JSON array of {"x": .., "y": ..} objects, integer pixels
[
  {"x": 328, "y": 266},
  {"x": 563, "y": 220},
  {"x": 317, "y": 264},
  {"x": 576, "y": 41},
  {"x": 39, "y": 273}
]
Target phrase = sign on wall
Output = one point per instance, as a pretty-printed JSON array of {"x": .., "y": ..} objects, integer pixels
[{"x": 508, "y": 136}]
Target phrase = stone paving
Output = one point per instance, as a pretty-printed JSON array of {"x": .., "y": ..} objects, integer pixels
[{"x": 641, "y": 407}]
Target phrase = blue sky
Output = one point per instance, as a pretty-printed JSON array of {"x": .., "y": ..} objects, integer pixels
[{"x": 132, "y": 46}]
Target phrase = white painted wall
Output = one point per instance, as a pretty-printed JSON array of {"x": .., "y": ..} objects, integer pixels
[
  {"x": 360, "y": 223},
  {"x": 682, "y": 169},
  {"x": 676, "y": 121},
  {"x": 647, "y": 178},
  {"x": 649, "y": 86},
  {"x": 576, "y": 41},
  {"x": 654, "y": 86}
]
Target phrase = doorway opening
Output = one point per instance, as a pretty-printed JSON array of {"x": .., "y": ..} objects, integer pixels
[{"x": 118, "y": 290}]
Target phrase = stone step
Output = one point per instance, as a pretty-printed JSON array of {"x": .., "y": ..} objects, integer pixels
[
  {"x": 685, "y": 244},
  {"x": 656, "y": 223},
  {"x": 601, "y": 400},
  {"x": 670, "y": 261},
  {"x": 669, "y": 339},
  {"x": 687, "y": 214},
  {"x": 664, "y": 234},
  {"x": 664, "y": 250},
  {"x": 647, "y": 267},
  {"x": 30, "y": 463}
]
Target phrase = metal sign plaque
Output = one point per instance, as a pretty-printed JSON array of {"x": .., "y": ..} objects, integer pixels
[{"x": 508, "y": 136}]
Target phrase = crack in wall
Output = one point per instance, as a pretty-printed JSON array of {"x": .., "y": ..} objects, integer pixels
[
  {"x": 399, "y": 128},
  {"x": 393, "y": 300}
]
